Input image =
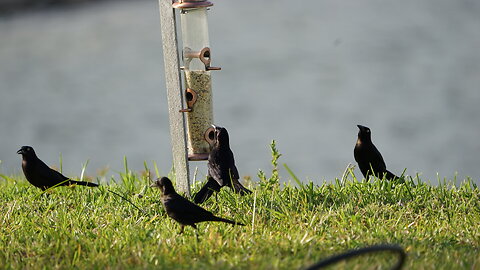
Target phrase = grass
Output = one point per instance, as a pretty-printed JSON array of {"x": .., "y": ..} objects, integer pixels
[{"x": 288, "y": 226}]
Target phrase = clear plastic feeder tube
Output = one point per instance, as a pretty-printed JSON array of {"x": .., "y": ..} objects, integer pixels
[
  {"x": 195, "y": 38},
  {"x": 198, "y": 85},
  {"x": 200, "y": 118}
]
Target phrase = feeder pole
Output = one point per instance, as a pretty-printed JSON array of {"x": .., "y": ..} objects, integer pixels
[{"x": 174, "y": 96}]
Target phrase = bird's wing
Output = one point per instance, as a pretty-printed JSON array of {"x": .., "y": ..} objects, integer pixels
[
  {"x": 378, "y": 159},
  {"x": 215, "y": 171},
  {"x": 59, "y": 175},
  {"x": 50, "y": 175},
  {"x": 222, "y": 168},
  {"x": 231, "y": 165},
  {"x": 234, "y": 172},
  {"x": 184, "y": 209}
]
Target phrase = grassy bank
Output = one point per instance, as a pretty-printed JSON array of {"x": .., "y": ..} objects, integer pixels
[{"x": 288, "y": 226}]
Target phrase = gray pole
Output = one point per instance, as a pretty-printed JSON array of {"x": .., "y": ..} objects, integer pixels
[{"x": 174, "y": 96}]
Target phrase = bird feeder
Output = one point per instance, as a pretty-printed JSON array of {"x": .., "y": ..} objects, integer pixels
[{"x": 197, "y": 78}]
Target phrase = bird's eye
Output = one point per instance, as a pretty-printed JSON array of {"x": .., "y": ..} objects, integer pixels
[{"x": 368, "y": 130}]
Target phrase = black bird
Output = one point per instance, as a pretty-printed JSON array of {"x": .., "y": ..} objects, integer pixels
[
  {"x": 40, "y": 175},
  {"x": 221, "y": 168},
  {"x": 368, "y": 157},
  {"x": 182, "y": 210}
]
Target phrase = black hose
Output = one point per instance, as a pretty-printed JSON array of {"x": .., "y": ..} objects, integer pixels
[
  {"x": 123, "y": 197},
  {"x": 357, "y": 252}
]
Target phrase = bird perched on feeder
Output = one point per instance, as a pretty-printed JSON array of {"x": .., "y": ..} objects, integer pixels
[
  {"x": 182, "y": 210},
  {"x": 368, "y": 157},
  {"x": 221, "y": 168},
  {"x": 40, "y": 175}
]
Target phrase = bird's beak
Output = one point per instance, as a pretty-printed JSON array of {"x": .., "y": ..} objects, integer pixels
[
  {"x": 20, "y": 152},
  {"x": 215, "y": 127},
  {"x": 153, "y": 185},
  {"x": 360, "y": 127}
]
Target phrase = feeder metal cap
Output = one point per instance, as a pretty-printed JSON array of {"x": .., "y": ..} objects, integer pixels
[{"x": 192, "y": 4}]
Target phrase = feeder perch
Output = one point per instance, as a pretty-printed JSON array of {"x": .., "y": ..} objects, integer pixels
[{"x": 197, "y": 78}]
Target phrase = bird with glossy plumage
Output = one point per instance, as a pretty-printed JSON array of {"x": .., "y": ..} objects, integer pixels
[
  {"x": 183, "y": 211},
  {"x": 222, "y": 171},
  {"x": 42, "y": 176},
  {"x": 369, "y": 159}
]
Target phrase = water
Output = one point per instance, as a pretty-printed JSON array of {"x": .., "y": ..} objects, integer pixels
[{"x": 87, "y": 82}]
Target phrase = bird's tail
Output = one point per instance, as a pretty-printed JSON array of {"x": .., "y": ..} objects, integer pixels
[
  {"x": 206, "y": 191},
  {"x": 227, "y": 221},
  {"x": 80, "y": 183},
  {"x": 238, "y": 188}
]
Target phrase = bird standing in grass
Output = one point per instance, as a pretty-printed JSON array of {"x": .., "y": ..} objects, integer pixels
[
  {"x": 182, "y": 210},
  {"x": 40, "y": 175},
  {"x": 221, "y": 168},
  {"x": 368, "y": 157}
]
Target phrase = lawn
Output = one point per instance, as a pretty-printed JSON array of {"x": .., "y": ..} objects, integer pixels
[{"x": 289, "y": 225}]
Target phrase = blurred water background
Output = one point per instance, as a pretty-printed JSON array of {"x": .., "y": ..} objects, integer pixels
[{"x": 86, "y": 80}]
